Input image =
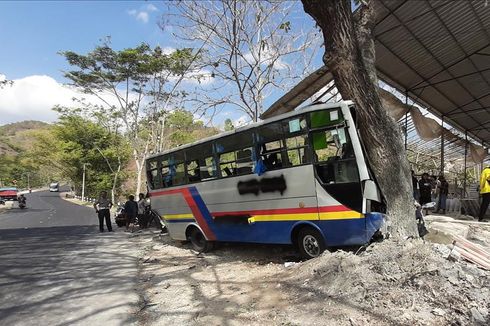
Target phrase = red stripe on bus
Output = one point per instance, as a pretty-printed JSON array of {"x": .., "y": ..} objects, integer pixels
[
  {"x": 167, "y": 192},
  {"x": 197, "y": 214},
  {"x": 192, "y": 205},
  {"x": 337, "y": 208}
]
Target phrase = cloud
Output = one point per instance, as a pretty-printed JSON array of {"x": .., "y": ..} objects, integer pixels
[
  {"x": 168, "y": 49},
  {"x": 143, "y": 15},
  {"x": 242, "y": 121},
  {"x": 150, "y": 7},
  {"x": 33, "y": 97}
]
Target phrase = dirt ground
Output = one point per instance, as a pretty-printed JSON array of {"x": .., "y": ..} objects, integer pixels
[{"x": 387, "y": 283}]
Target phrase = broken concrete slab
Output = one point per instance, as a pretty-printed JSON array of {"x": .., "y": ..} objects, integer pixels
[{"x": 444, "y": 232}]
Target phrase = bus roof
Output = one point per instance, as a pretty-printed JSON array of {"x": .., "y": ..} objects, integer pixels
[{"x": 309, "y": 108}]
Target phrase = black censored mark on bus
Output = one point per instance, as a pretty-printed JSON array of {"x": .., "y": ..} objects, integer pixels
[{"x": 254, "y": 186}]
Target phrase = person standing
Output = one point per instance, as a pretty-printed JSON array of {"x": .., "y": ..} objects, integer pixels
[
  {"x": 131, "y": 211},
  {"x": 142, "y": 218},
  {"x": 102, "y": 208},
  {"x": 443, "y": 190},
  {"x": 485, "y": 192},
  {"x": 425, "y": 188}
]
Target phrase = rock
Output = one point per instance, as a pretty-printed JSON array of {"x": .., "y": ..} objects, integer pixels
[
  {"x": 166, "y": 285},
  {"x": 454, "y": 256},
  {"x": 453, "y": 280},
  {"x": 289, "y": 264},
  {"x": 477, "y": 316},
  {"x": 438, "y": 312},
  {"x": 444, "y": 232}
]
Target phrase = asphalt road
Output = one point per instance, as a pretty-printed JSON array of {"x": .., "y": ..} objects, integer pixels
[{"x": 57, "y": 269}]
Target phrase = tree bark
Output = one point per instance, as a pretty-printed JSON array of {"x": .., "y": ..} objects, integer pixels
[{"x": 355, "y": 78}]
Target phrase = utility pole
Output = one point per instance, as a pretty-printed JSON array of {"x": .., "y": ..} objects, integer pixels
[{"x": 83, "y": 182}]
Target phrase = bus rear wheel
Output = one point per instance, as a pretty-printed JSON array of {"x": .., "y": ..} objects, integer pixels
[
  {"x": 198, "y": 241},
  {"x": 310, "y": 243}
]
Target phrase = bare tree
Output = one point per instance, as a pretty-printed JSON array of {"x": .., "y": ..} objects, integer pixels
[
  {"x": 349, "y": 55},
  {"x": 250, "y": 49}
]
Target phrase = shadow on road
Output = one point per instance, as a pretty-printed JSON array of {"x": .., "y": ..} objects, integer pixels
[{"x": 66, "y": 275}]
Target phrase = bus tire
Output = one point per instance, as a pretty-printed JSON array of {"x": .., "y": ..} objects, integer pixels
[
  {"x": 310, "y": 242},
  {"x": 198, "y": 241}
]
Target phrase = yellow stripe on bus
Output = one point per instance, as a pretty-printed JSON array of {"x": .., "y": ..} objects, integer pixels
[
  {"x": 308, "y": 216},
  {"x": 340, "y": 215},
  {"x": 283, "y": 217},
  {"x": 178, "y": 216}
]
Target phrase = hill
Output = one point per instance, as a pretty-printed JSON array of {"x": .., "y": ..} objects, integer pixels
[{"x": 15, "y": 137}]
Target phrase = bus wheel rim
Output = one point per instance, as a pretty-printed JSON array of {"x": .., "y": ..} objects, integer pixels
[{"x": 311, "y": 245}]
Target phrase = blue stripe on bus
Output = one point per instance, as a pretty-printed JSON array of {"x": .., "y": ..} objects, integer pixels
[
  {"x": 336, "y": 232},
  {"x": 202, "y": 208},
  {"x": 180, "y": 220}
]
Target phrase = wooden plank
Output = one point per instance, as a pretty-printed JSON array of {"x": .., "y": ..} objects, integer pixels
[
  {"x": 473, "y": 246},
  {"x": 472, "y": 257}
]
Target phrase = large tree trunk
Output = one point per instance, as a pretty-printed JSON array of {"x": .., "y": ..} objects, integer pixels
[{"x": 355, "y": 79}]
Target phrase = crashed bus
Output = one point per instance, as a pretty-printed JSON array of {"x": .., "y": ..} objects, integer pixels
[{"x": 300, "y": 178}]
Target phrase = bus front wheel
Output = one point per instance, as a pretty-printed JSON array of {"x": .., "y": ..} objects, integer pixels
[
  {"x": 198, "y": 241},
  {"x": 310, "y": 243}
]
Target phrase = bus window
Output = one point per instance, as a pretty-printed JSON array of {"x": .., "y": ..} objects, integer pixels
[
  {"x": 334, "y": 156},
  {"x": 235, "y": 155},
  {"x": 208, "y": 168},
  {"x": 173, "y": 171},
  {"x": 152, "y": 175},
  {"x": 200, "y": 163},
  {"x": 193, "y": 171},
  {"x": 297, "y": 150},
  {"x": 325, "y": 118},
  {"x": 294, "y": 126},
  {"x": 271, "y": 145}
]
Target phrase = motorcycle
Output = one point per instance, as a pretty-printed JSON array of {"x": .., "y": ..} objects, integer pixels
[{"x": 120, "y": 216}]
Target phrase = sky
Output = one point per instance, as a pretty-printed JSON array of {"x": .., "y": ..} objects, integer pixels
[{"x": 33, "y": 32}]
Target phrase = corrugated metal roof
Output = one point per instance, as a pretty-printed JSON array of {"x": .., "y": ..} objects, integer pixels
[{"x": 439, "y": 53}]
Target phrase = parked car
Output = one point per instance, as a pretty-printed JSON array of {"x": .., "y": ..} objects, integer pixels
[{"x": 8, "y": 194}]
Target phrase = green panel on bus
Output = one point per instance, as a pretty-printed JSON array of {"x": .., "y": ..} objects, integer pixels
[
  {"x": 325, "y": 118},
  {"x": 319, "y": 141}
]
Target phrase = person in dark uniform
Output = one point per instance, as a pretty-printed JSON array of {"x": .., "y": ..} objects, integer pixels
[
  {"x": 425, "y": 188},
  {"x": 102, "y": 208}
]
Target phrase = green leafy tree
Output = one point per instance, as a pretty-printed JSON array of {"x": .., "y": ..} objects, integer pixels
[
  {"x": 182, "y": 128},
  {"x": 134, "y": 85},
  {"x": 75, "y": 141}
]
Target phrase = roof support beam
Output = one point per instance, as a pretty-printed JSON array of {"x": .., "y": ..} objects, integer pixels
[
  {"x": 452, "y": 65},
  {"x": 449, "y": 79}
]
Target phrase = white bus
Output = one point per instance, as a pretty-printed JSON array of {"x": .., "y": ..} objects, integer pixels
[
  {"x": 54, "y": 187},
  {"x": 300, "y": 178}
]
